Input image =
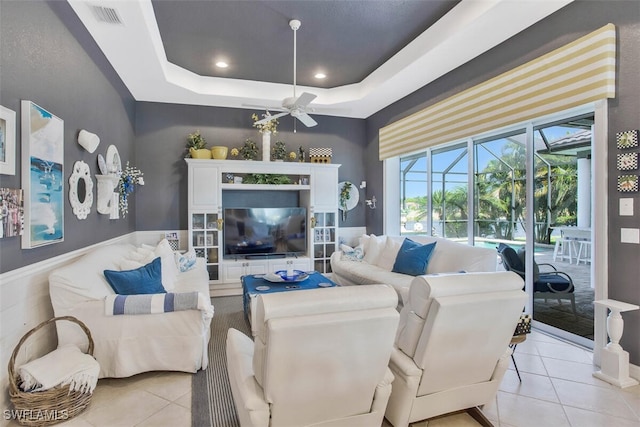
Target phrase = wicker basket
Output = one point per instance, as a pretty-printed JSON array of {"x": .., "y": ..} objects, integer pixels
[{"x": 43, "y": 408}]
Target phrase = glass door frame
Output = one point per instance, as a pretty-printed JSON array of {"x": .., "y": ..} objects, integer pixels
[{"x": 599, "y": 197}]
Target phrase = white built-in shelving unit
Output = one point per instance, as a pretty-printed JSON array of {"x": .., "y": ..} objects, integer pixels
[{"x": 316, "y": 185}]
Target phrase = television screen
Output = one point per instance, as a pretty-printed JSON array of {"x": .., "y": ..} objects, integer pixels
[{"x": 252, "y": 231}]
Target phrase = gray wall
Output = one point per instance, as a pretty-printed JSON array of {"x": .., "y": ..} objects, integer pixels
[
  {"x": 573, "y": 21},
  {"x": 47, "y": 56},
  {"x": 161, "y": 132}
]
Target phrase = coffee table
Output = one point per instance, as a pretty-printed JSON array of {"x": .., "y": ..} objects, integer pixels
[{"x": 251, "y": 283}]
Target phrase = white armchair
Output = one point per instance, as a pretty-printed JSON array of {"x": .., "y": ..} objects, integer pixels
[
  {"x": 452, "y": 345},
  {"x": 320, "y": 358}
]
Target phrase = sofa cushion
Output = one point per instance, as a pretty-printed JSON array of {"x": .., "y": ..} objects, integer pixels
[
  {"x": 84, "y": 279},
  {"x": 413, "y": 258},
  {"x": 144, "y": 280},
  {"x": 387, "y": 256},
  {"x": 373, "y": 246}
]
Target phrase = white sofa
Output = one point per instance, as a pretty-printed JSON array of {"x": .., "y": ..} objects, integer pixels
[
  {"x": 380, "y": 253},
  {"x": 127, "y": 344}
]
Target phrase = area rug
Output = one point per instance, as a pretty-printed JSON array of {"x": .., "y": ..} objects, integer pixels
[{"x": 211, "y": 402}]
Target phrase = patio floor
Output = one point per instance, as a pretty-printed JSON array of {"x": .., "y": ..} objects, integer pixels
[{"x": 559, "y": 313}]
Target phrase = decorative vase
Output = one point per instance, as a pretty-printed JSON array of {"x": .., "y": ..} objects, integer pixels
[
  {"x": 266, "y": 146},
  {"x": 219, "y": 152}
]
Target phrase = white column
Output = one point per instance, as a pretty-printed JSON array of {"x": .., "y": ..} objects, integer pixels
[
  {"x": 615, "y": 361},
  {"x": 584, "y": 192}
]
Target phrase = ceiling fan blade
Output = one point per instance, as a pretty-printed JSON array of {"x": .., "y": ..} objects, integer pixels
[
  {"x": 306, "y": 120},
  {"x": 269, "y": 118},
  {"x": 304, "y": 99},
  {"x": 265, "y": 107}
]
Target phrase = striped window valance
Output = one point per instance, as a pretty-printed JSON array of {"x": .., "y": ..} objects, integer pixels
[{"x": 580, "y": 72}]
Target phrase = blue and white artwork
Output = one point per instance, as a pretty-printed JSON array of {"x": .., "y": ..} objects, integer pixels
[{"x": 42, "y": 176}]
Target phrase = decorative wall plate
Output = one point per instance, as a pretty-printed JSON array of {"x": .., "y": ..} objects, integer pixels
[
  {"x": 627, "y": 183},
  {"x": 354, "y": 196},
  {"x": 627, "y": 139},
  {"x": 102, "y": 165},
  {"x": 114, "y": 165},
  {"x": 627, "y": 161}
]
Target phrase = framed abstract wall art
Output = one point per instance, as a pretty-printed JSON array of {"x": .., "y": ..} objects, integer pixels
[
  {"x": 7, "y": 141},
  {"x": 42, "y": 176},
  {"x": 11, "y": 212}
]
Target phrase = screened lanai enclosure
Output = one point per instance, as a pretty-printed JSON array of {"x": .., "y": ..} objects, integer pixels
[{"x": 476, "y": 192}]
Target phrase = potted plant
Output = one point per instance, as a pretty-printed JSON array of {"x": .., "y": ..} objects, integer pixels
[
  {"x": 249, "y": 150},
  {"x": 279, "y": 151},
  {"x": 196, "y": 145}
]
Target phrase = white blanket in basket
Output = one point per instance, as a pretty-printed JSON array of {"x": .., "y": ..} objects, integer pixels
[{"x": 66, "y": 365}]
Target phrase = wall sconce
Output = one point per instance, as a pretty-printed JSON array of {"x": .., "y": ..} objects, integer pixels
[
  {"x": 89, "y": 141},
  {"x": 371, "y": 202}
]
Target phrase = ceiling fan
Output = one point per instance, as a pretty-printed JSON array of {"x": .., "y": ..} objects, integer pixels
[{"x": 297, "y": 107}]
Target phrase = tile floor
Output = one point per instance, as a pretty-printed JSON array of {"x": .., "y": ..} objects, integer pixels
[{"x": 557, "y": 390}]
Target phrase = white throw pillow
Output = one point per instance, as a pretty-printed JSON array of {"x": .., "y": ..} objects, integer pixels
[
  {"x": 373, "y": 248},
  {"x": 142, "y": 255},
  {"x": 129, "y": 264},
  {"x": 363, "y": 241},
  {"x": 387, "y": 256},
  {"x": 352, "y": 254},
  {"x": 186, "y": 261},
  {"x": 169, "y": 268}
]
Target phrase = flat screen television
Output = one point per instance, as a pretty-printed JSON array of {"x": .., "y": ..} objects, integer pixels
[{"x": 264, "y": 231}]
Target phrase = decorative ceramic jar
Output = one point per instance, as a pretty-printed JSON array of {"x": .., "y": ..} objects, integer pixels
[
  {"x": 201, "y": 153},
  {"x": 219, "y": 152}
]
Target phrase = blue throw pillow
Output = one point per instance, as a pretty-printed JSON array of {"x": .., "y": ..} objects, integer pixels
[
  {"x": 413, "y": 258},
  {"x": 144, "y": 280}
]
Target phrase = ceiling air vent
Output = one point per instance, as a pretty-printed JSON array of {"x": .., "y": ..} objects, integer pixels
[{"x": 106, "y": 14}]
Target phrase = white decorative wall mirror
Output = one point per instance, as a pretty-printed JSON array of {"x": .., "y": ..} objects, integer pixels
[{"x": 81, "y": 190}]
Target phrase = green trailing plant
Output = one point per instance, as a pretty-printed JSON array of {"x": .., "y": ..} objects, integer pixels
[
  {"x": 345, "y": 194},
  {"x": 249, "y": 150},
  {"x": 266, "y": 178},
  {"x": 279, "y": 151}
]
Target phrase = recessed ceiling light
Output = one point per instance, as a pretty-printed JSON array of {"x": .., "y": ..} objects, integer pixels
[
  {"x": 320, "y": 75},
  {"x": 221, "y": 64}
]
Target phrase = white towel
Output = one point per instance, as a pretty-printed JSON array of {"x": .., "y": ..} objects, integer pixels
[{"x": 66, "y": 365}]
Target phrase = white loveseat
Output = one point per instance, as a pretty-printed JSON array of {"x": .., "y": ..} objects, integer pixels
[
  {"x": 380, "y": 254},
  {"x": 129, "y": 344}
]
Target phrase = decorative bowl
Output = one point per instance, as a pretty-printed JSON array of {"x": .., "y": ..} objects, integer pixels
[
  {"x": 201, "y": 153},
  {"x": 219, "y": 152}
]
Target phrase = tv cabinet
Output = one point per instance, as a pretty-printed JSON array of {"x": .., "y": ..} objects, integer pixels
[{"x": 317, "y": 189}]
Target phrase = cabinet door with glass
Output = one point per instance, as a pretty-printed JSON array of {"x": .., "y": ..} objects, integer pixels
[
  {"x": 204, "y": 239},
  {"x": 324, "y": 240}
]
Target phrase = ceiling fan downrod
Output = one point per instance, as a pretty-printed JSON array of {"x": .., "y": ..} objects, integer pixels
[{"x": 295, "y": 25}]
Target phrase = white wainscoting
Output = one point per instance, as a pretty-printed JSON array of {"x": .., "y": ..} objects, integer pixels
[{"x": 25, "y": 303}]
